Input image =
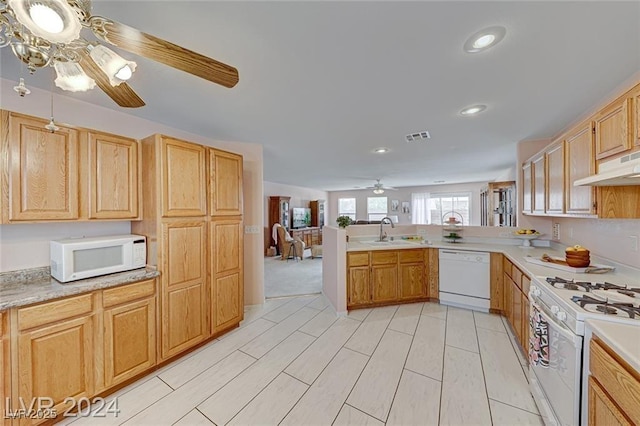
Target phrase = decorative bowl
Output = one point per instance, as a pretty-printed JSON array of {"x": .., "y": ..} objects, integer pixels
[{"x": 578, "y": 263}]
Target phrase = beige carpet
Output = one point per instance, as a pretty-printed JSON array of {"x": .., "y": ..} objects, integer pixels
[{"x": 291, "y": 278}]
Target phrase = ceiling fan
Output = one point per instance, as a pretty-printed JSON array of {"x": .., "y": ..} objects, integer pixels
[
  {"x": 47, "y": 33},
  {"x": 379, "y": 188}
]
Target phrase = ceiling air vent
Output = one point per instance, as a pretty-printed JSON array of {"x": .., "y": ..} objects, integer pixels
[{"x": 412, "y": 137}]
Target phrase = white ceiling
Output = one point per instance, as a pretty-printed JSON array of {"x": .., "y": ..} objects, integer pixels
[{"x": 324, "y": 83}]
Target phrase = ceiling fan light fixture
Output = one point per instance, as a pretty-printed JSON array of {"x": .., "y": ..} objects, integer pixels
[
  {"x": 378, "y": 191},
  {"x": 117, "y": 69},
  {"x": 53, "y": 20},
  {"x": 71, "y": 77}
]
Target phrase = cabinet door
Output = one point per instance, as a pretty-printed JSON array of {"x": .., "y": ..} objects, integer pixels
[
  {"x": 225, "y": 183},
  {"x": 5, "y": 370},
  {"x": 613, "y": 132},
  {"x": 358, "y": 286},
  {"x": 113, "y": 177},
  {"x": 524, "y": 315},
  {"x": 580, "y": 164},
  {"x": 539, "y": 187},
  {"x": 384, "y": 283},
  {"x": 57, "y": 362},
  {"x": 183, "y": 179},
  {"x": 433, "y": 273},
  {"x": 183, "y": 286},
  {"x": 412, "y": 281},
  {"x": 226, "y": 298},
  {"x": 43, "y": 171},
  {"x": 527, "y": 188},
  {"x": 516, "y": 310},
  {"x": 602, "y": 410},
  {"x": 497, "y": 283},
  {"x": 636, "y": 103},
  {"x": 508, "y": 298},
  {"x": 555, "y": 179},
  {"x": 129, "y": 340}
]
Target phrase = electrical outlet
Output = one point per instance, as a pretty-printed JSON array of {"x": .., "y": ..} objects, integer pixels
[
  {"x": 633, "y": 246},
  {"x": 555, "y": 233},
  {"x": 252, "y": 229}
]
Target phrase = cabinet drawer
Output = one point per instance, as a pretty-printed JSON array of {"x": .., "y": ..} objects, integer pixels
[
  {"x": 507, "y": 266},
  {"x": 615, "y": 378},
  {"x": 384, "y": 257},
  {"x": 358, "y": 258},
  {"x": 115, "y": 296},
  {"x": 411, "y": 256},
  {"x": 34, "y": 316}
]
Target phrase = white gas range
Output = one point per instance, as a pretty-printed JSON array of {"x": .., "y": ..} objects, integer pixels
[{"x": 558, "y": 310}]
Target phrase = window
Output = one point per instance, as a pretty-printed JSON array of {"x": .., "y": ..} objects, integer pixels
[
  {"x": 376, "y": 208},
  {"x": 347, "y": 207},
  {"x": 437, "y": 208}
]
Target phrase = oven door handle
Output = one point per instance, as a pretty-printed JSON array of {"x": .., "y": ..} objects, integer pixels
[{"x": 565, "y": 332}]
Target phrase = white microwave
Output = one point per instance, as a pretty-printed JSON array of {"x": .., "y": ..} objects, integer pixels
[{"x": 78, "y": 258}]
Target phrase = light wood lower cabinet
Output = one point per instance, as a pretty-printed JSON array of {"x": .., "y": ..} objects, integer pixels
[
  {"x": 184, "y": 293},
  {"x": 380, "y": 277},
  {"x": 5, "y": 368},
  {"x": 226, "y": 289},
  {"x": 55, "y": 352},
  {"x": 129, "y": 331},
  {"x": 516, "y": 302},
  {"x": 614, "y": 388}
]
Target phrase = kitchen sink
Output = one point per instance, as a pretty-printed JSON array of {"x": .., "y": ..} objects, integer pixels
[{"x": 390, "y": 243}]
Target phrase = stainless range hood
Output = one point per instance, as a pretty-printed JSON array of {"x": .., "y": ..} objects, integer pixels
[{"x": 623, "y": 171}]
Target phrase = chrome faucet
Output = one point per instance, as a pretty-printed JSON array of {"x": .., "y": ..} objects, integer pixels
[{"x": 383, "y": 236}]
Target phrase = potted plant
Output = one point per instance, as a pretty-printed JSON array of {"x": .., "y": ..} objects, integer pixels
[{"x": 344, "y": 221}]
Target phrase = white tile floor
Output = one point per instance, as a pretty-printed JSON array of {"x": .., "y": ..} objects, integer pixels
[{"x": 292, "y": 362}]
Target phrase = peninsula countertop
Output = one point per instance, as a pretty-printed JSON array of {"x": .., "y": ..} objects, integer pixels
[{"x": 21, "y": 288}]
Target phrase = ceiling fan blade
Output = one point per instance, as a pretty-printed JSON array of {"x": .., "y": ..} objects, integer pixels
[
  {"x": 148, "y": 46},
  {"x": 122, "y": 94}
]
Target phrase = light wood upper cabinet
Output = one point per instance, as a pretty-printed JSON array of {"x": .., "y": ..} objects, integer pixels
[
  {"x": 113, "y": 176},
  {"x": 527, "y": 188},
  {"x": 183, "y": 293},
  {"x": 538, "y": 174},
  {"x": 554, "y": 164},
  {"x": 580, "y": 164},
  {"x": 613, "y": 128},
  {"x": 42, "y": 170},
  {"x": 129, "y": 331},
  {"x": 183, "y": 178},
  {"x": 225, "y": 183},
  {"x": 636, "y": 105},
  {"x": 226, "y": 289}
]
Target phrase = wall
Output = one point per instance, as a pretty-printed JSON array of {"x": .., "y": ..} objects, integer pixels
[
  {"x": 73, "y": 111},
  {"x": 300, "y": 197},
  {"x": 334, "y": 267},
  {"x": 403, "y": 194}
]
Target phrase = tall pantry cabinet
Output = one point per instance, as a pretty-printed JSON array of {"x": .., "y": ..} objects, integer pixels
[{"x": 192, "y": 218}]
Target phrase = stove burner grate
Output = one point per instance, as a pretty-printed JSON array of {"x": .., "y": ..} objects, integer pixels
[
  {"x": 570, "y": 284},
  {"x": 607, "y": 310}
]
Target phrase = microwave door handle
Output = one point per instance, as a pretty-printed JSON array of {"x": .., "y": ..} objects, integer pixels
[{"x": 567, "y": 334}]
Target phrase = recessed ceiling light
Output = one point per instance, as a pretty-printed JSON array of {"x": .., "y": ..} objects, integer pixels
[
  {"x": 381, "y": 150},
  {"x": 484, "y": 39},
  {"x": 473, "y": 110}
]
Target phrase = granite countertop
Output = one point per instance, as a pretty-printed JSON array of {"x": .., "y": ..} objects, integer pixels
[
  {"x": 624, "y": 339},
  {"x": 21, "y": 288},
  {"x": 517, "y": 254}
]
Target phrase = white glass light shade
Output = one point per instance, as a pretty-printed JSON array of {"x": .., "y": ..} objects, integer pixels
[
  {"x": 71, "y": 77},
  {"x": 378, "y": 191},
  {"x": 113, "y": 65},
  {"x": 43, "y": 18}
]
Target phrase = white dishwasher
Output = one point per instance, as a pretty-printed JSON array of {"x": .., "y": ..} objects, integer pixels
[{"x": 464, "y": 279}]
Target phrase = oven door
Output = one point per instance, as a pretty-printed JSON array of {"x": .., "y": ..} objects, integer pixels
[{"x": 556, "y": 387}]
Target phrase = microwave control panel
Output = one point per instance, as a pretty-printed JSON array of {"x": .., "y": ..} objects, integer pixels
[{"x": 139, "y": 252}]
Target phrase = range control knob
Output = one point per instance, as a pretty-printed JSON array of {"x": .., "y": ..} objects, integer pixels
[
  {"x": 561, "y": 315},
  {"x": 478, "y": 259},
  {"x": 535, "y": 291},
  {"x": 555, "y": 310}
]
